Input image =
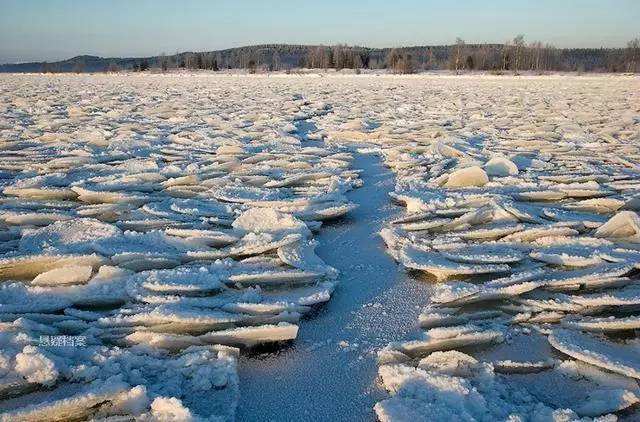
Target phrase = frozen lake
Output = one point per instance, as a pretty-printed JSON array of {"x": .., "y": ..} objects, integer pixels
[{"x": 344, "y": 247}]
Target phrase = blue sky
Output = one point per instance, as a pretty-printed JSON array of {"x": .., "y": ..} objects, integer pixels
[{"x": 57, "y": 29}]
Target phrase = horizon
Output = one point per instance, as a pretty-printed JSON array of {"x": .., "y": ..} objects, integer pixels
[
  {"x": 36, "y": 31},
  {"x": 281, "y": 44}
]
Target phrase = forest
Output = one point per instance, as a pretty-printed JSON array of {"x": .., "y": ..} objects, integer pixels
[{"x": 514, "y": 56}]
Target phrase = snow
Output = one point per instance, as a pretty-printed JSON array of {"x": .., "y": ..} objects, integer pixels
[
  {"x": 167, "y": 409},
  {"x": 35, "y": 367}
]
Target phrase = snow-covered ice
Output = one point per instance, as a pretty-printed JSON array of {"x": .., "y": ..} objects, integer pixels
[
  {"x": 521, "y": 204},
  {"x": 166, "y": 223},
  {"x": 158, "y": 222}
]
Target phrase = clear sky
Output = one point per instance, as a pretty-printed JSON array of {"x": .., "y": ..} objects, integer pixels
[{"x": 58, "y": 29}]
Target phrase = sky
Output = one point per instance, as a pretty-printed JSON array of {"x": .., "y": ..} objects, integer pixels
[{"x": 35, "y": 30}]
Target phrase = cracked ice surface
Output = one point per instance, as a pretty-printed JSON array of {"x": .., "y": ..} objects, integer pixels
[
  {"x": 522, "y": 198},
  {"x": 164, "y": 221}
]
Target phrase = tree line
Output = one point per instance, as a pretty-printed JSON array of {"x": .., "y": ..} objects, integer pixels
[{"x": 516, "y": 55}]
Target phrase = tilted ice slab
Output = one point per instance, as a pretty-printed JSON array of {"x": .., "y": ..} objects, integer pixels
[
  {"x": 242, "y": 336},
  {"x": 448, "y": 338},
  {"x": 603, "y": 324},
  {"x": 27, "y": 267},
  {"x": 618, "y": 358},
  {"x": 301, "y": 255},
  {"x": 625, "y": 225},
  {"x": 441, "y": 267}
]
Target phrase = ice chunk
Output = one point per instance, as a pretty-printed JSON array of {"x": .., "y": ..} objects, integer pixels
[
  {"x": 603, "y": 324},
  {"x": 545, "y": 195},
  {"x": 481, "y": 254},
  {"x": 470, "y": 176},
  {"x": 265, "y": 220},
  {"x": 618, "y": 358},
  {"x": 302, "y": 255},
  {"x": 270, "y": 277},
  {"x": 180, "y": 281},
  {"x": 624, "y": 225},
  {"x": 108, "y": 197},
  {"x": 522, "y": 367},
  {"x": 453, "y": 363},
  {"x": 106, "y": 399},
  {"x": 500, "y": 166},
  {"x": 530, "y": 235},
  {"x": 27, "y": 267},
  {"x": 42, "y": 193},
  {"x": 439, "y": 317},
  {"x": 243, "y": 336},
  {"x": 598, "y": 205},
  {"x": 490, "y": 233},
  {"x": 448, "y": 338},
  {"x": 442, "y": 268},
  {"x": 208, "y": 237},
  {"x": 567, "y": 259},
  {"x": 71, "y": 274},
  {"x": 32, "y": 218}
]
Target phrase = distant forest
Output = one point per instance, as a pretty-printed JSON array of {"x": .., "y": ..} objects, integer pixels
[{"x": 515, "y": 56}]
